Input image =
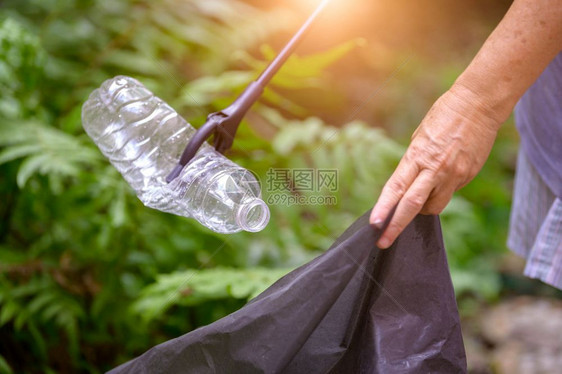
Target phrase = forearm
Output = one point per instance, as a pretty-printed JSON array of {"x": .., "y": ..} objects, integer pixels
[
  {"x": 456, "y": 136},
  {"x": 512, "y": 58}
]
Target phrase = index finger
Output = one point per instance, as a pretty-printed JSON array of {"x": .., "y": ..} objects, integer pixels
[
  {"x": 393, "y": 190},
  {"x": 408, "y": 207}
]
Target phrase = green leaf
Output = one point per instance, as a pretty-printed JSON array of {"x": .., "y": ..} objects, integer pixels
[
  {"x": 308, "y": 67},
  {"x": 118, "y": 210},
  {"x": 30, "y": 166},
  {"x": 45, "y": 150},
  {"x": 137, "y": 62},
  {"x": 40, "y": 301},
  {"x": 4, "y": 366},
  {"x": 15, "y": 152},
  {"x": 196, "y": 286},
  {"x": 21, "y": 319},
  {"x": 7, "y": 311},
  {"x": 204, "y": 91}
]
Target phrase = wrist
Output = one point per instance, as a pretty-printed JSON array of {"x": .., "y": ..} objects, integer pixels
[
  {"x": 494, "y": 97},
  {"x": 488, "y": 103}
]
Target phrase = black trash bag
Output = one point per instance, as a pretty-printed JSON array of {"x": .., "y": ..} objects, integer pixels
[{"x": 354, "y": 309}]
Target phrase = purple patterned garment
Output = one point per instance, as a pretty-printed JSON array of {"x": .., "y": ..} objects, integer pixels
[
  {"x": 538, "y": 117},
  {"x": 535, "y": 230}
]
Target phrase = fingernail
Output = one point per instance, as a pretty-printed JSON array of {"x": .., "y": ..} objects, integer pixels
[
  {"x": 384, "y": 243},
  {"x": 378, "y": 223}
]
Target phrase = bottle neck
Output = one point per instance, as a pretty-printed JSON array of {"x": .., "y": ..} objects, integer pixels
[{"x": 252, "y": 216}]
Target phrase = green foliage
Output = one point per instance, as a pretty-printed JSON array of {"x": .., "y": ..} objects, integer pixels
[
  {"x": 4, "y": 366},
  {"x": 83, "y": 261},
  {"x": 46, "y": 150},
  {"x": 41, "y": 302},
  {"x": 218, "y": 91},
  {"x": 21, "y": 66},
  {"x": 194, "y": 287}
]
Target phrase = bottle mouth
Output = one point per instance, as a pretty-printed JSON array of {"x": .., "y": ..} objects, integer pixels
[{"x": 253, "y": 216}]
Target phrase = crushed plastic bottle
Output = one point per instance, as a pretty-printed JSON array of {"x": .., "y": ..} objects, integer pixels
[{"x": 143, "y": 137}]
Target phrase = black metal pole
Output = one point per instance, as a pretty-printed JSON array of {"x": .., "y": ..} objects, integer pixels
[{"x": 286, "y": 52}]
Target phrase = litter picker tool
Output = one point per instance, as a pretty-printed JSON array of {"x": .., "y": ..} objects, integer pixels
[{"x": 223, "y": 124}]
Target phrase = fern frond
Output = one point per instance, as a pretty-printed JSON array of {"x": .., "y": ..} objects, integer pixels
[
  {"x": 45, "y": 150},
  {"x": 193, "y": 287}
]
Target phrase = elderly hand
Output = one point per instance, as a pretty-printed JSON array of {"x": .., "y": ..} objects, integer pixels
[
  {"x": 455, "y": 138},
  {"x": 447, "y": 150}
]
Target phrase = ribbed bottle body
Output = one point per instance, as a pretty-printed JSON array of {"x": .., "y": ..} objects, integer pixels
[{"x": 143, "y": 137}]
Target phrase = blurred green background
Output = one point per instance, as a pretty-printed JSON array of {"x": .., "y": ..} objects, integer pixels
[{"x": 90, "y": 278}]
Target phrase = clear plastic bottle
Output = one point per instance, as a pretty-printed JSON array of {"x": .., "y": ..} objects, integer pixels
[{"x": 143, "y": 137}]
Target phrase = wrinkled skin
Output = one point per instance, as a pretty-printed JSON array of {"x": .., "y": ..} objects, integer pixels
[
  {"x": 456, "y": 136},
  {"x": 447, "y": 151}
]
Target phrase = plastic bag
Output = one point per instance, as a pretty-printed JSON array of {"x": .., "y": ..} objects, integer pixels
[{"x": 354, "y": 309}]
